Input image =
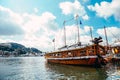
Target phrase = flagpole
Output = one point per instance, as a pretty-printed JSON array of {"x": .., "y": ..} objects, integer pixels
[
  {"x": 78, "y": 28},
  {"x": 54, "y": 43},
  {"x": 106, "y": 37},
  {"x": 64, "y": 33},
  {"x": 91, "y": 33}
]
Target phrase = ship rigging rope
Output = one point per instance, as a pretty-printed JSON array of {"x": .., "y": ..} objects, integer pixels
[
  {"x": 73, "y": 20},
  {"x": 115, "y": 36},
  {"x": 66, "y": 21},
  {"x": 69, "y": 19}
]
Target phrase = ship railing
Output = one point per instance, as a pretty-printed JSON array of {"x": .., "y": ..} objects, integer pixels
[
  {"x": 64, "y": 47},
  {"x": 73, "y": 46}
]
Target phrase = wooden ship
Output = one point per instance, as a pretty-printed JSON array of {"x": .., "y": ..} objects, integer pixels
[
  {"x": 85, "y": 55},
  {"x": 92, "y": 55}
]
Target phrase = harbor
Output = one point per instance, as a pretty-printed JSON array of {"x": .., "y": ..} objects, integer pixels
[
  {"x": 59, "y": 40},
  {"x": 36, "y": 68}
]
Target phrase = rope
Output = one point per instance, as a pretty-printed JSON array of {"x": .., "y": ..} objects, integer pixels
[{"x": 117, "y": 37}]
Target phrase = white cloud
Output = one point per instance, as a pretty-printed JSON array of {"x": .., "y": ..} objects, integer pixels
[
  {"x": 10, "y": 22},
  {"x": 37, "y": 23},
  {"x": 85, "y": 39},
  {"x": 87, "y": 28},
  {"x": 113, "y": 33},
  {"x": 7, "y": 14},
  {"x": 107, "y": 9},
  {"x": 85, "y": 17},
  {"x": 38, "y": 29},
  {"x": 73, "y": 8},
  {"x": 72, "y": 35},
  {"x": 36, "y": 10}
]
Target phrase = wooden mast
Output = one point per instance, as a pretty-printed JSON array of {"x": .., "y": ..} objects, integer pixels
[
  {"x": 79, "y": 43},
  {"x": 78, "y": 28},
  {"x": 106, "y": 36},
  {"x": 91, "y": 33},
  {"x": 64, "y": 33}
]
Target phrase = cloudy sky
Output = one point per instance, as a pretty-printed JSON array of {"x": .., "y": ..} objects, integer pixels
[{"x": 35, "y": 23}]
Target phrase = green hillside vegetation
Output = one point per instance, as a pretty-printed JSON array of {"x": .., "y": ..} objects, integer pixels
[{"x": 21, "y": 49}]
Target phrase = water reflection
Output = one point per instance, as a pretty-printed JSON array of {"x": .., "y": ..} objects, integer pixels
[
  {"x": 113, "y": 72},
  {"x": 67, "y": 72},
  {"x": 22, "y": 68},
  {"x": 35, "y": 68}
]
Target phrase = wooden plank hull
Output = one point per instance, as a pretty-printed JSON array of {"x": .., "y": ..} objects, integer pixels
[{"x": 75, "y": 61}]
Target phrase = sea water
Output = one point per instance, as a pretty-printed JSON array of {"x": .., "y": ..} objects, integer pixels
[{"x": 36, "y": 68}]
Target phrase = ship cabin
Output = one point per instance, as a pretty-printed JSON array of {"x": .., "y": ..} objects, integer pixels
[{"x": 86, "y": 51}]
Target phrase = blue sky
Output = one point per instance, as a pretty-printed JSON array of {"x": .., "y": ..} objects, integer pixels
[{"x": 35, "y": 23}]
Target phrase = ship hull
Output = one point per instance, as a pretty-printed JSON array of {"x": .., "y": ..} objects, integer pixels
[
  {"x": 85, "y": 61},
  {"x": 93, "y": 55},
  {"x": 116, "y": 60}
]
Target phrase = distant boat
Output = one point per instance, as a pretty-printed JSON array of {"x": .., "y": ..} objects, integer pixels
[
  {"x": 87, "y": 55},
  {"x": 115, "y": 48}
]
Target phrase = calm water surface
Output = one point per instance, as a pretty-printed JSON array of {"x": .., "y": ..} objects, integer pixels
[{"x": 36, "y": 68}]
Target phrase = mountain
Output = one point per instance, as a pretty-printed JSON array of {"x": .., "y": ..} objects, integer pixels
[
  {"x": 33, "y": 50},
  {"x": 16, "y": 45},
  {"x": 21, "y": 49}
]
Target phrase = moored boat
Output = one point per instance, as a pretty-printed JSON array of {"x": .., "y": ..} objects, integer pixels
[
  {"x": 88, "y": 55},
  {"x": 115, "y": 48}
]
